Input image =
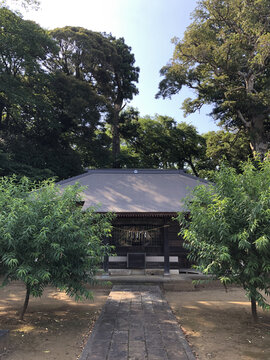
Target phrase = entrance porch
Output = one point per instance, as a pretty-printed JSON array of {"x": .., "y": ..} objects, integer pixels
[{"x": 146, "y": 244}]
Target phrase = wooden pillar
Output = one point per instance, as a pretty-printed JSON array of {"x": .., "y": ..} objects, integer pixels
[
  {"x": 106, "y": 259},
  {"x": 166, "y": 250}
]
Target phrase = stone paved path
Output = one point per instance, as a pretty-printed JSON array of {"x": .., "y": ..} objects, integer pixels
[{"x": 136, "y": 324}]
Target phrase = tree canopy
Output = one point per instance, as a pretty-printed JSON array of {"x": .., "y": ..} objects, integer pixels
[
  {"x": 106, "y": 64},
  {"x": 61, "y": 92},
  {"x": 222, "y": 146},
  {"x": 159, "y": 142},
  {"x": 63, "y": 95},
  {"x": 224, "y": 57},
  {"x": 24, "y": 46},
  {"x": 29, "y": 131},
  {"x": 227, "y": 232}
]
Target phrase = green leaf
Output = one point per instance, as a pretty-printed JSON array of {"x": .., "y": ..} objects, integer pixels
[{"x": 262, "y": 243}]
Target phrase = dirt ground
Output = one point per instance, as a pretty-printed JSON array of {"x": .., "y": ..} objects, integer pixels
[
  {"x": 218, "y": 325},
  {"x": 55, "y": 326}
]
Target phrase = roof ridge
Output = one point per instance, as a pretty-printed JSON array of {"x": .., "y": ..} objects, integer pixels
[
  {"x": 136, "y": 171},
  {"x": 131, "y": 171}
]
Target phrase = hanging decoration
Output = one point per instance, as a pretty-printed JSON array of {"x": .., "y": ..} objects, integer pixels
[{"x": 135, "y": 237}]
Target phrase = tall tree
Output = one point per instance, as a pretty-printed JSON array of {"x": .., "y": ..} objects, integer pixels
[
  {"x": 57, "y": 92},
  {"x": 225, "y": 58},
  {"x": 77, "y": 110},
  {"x": 123, "y": 78},
  {"x": 106, "y": 64},
  {"x": 159, "y": 142}
]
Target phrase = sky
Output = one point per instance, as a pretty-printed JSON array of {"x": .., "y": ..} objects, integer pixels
[{"x": 147, "y": 27}]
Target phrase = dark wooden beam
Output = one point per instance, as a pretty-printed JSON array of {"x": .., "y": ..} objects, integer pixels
[{"x": 166, "y": 250}]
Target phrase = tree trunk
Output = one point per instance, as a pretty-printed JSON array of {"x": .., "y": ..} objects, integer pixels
[
  {"x": 116, "y": 136},
  {"x": 193, "y": 167},
  {"x": 26, "y": 301},
  {"x": 254, "y": 309},
  {"x": 259, "y": 139}
]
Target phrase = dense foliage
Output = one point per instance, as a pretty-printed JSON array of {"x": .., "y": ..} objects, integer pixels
[
  {"x": 222, "y": 146},
  {"x": 106, "y": 65},
  {"x": 227, "y": 232},
  {"x": 159, "y": 142},
  {"x": 46, "y": 239},
  {"x": 225, "y": 58},
  {"x": 58, "y": 92},
  {"x": 62, "y": 108}
]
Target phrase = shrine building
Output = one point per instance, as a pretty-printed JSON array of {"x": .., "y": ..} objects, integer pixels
[{"x": 145, "y": 235}]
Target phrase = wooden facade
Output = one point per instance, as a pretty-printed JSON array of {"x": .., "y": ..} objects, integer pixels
[{"x": 154, "y": 235}]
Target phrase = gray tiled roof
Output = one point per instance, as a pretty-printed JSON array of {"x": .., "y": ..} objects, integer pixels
[{"x": 131, "y": 190}]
